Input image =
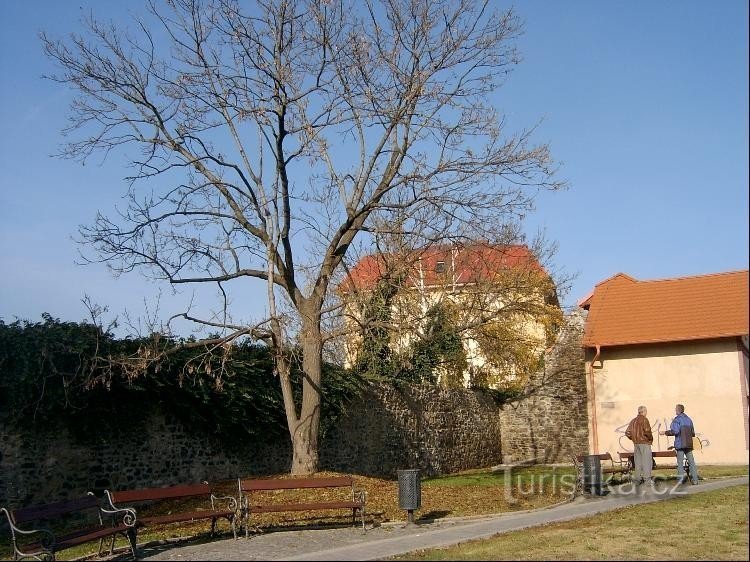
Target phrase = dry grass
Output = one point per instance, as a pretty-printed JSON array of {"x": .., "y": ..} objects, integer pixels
[{"x": 469, "y": 493}]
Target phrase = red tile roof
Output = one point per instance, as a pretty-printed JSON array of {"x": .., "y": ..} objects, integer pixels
[
  {"x": 472, "y": 264},
  {"x": 625, "y": 311}
]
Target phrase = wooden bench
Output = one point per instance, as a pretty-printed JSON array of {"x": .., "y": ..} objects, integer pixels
[
  {"x": 131, "y": 498},
  {"x": 608, "y": 464},
  {"x": 79, "y": 531},
  {"x": 249, "y": 506},
  {"x": 671, "y": 454}
]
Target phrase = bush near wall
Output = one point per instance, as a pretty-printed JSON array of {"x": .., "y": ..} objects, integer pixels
[
  {"x": 52, "y": 375},
  {"x": 71, "y": 423},
  {"x": 163, "y": 429}
]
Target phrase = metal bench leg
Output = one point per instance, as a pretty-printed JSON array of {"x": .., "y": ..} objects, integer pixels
[
  {"x": 256, "y": 529},
  {"x": 133, "y": 539},
  {"x": 234, "y": 527}
]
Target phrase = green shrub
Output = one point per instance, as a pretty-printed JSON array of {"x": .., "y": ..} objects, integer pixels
[{"x": 55, "y": 373}]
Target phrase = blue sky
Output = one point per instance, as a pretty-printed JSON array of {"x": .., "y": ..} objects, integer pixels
[{"x": 645, "y": 105}]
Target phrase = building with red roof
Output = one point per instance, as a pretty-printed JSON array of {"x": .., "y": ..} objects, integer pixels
[
  {"x": 662, "y": 342},
  {"x": 480, "y": 281},
  {"x": 435, "y": 265}
]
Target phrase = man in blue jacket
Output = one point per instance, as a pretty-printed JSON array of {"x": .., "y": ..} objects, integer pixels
[{"x": 683, "y": 431}]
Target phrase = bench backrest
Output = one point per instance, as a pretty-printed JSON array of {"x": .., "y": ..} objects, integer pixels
[
  {"x": 53, "y": 510},
  {"x": 249, "y": 485},
  {"x": 170, "y": 492},
  {"x": 602, "y": 456},
  {"x": 657, "y": 454}
]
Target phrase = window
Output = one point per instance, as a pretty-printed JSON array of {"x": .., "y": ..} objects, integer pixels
[{"x": 440, "y": 267}]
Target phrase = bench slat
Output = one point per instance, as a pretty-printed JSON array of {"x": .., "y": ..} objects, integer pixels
[
  {"x": 77, "y": 537},
  {"x": 664, "y": 454},
  {"x": 293, "y": 483},
  {"x": 303, "y": 506},
  {"x": 93, "y": 534},
  {"x": 177, "y": 517},
  {"x": 146, "y": 494},
  {"x": 51, "y": 510}
]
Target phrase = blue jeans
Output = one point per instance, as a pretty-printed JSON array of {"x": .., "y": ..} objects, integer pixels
[{"x": 681, "y": 454}]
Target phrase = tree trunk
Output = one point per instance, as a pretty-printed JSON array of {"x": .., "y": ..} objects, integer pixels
[
  {"x": 304, "y": 453},
  {"x": 306, "y": 430}
]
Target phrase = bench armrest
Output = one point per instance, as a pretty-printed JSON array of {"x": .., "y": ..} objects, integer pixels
[
  {"x": 47, "y": 542},
  {"x": 232, "y": 504},
  {"x": 128, "y": 513}
]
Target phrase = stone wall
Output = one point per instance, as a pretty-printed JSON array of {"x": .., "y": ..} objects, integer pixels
[
  {"x": 43, "y": 466},
  {"x": 549, "y": 424},
  {"x": 438, "y": 431},
  {"x": 385, "y": 429}
]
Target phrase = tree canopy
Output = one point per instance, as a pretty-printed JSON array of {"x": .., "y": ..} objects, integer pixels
[{"x": 271, "y": 140}]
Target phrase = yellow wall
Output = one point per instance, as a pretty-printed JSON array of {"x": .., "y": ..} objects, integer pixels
[{"x": 705, "y": 376}]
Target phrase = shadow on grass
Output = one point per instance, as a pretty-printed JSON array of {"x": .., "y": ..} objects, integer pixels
[{"x": 152, "y": 546}]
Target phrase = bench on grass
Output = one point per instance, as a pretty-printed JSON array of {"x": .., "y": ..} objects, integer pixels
[
  {"x": 671, "y": 454},
  {"x": 43, "y": 543},
  {"x": 210, "y": 509},
  {"x": 608, "y": 464},
  {"x": 249, "y": 505}
]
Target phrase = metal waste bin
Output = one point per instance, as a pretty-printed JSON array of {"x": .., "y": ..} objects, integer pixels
[
  {"x": 592, "y": 475},
  {"x": 409, "y": 491}
]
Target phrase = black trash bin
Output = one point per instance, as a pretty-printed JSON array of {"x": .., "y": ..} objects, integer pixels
[
  {"x": 409, "y": 491},
  {"x": 592, "y": 475}
]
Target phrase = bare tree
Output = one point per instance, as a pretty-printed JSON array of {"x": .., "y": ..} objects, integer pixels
[{"x": 271, "y": 137}]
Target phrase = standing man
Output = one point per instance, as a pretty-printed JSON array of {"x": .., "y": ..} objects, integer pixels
[
  {"x": 639, "y": 432},
  {"x": 683, "y": 431}
]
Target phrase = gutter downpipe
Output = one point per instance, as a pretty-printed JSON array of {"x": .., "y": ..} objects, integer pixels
[{"x": 594, "y": 428}]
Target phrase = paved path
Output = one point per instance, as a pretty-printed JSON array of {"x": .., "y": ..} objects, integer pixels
[{"x": 393, "y": 540}]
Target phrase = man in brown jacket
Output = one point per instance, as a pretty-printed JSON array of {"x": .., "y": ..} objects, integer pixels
[{"x": 639, "y": 432}]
